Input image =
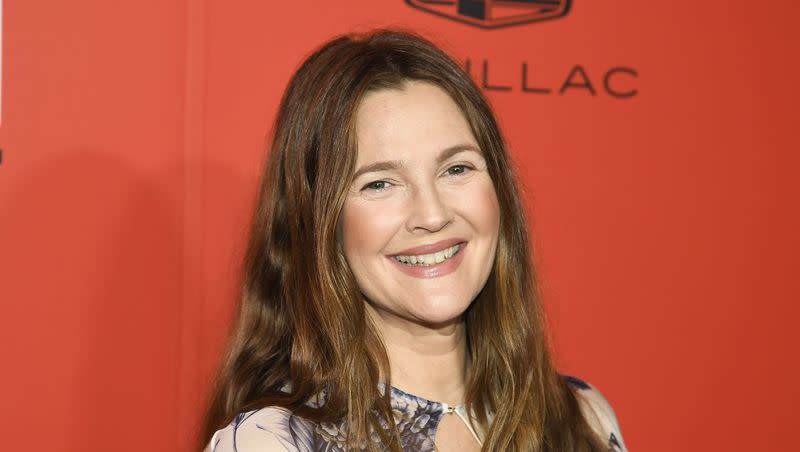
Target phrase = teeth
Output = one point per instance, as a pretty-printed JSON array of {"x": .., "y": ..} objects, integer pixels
[{"x": 426, "y": 260}]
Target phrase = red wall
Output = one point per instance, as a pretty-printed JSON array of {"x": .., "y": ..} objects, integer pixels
[{"x": 665, "y": 224}]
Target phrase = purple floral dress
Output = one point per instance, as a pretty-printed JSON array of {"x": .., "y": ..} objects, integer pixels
[{"x": 277, "y": 429}]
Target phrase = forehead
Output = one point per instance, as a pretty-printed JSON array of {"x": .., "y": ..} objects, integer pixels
[{"x": 411, "y": 123}]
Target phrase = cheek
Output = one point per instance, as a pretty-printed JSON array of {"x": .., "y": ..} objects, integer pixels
[
  {"x": 488, "y": 203},
  {"x": 366, "y": 228},
  {"x": 482, "y": 206}
]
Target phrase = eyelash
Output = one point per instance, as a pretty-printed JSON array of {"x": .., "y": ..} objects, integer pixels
[{"x": 467, "y": 168}]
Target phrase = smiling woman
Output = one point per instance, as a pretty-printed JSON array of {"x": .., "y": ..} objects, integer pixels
[
  {"x": 421, "y": 239},
  {"x": 389, "y": 301}
]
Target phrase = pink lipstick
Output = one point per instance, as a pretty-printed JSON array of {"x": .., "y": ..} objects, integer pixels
[{"x": 443, "y": 268}]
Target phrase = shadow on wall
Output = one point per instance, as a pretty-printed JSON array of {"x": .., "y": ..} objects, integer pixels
[{"x": 96, "y": 249}]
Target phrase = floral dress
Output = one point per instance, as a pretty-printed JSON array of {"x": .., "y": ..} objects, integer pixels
[{"x": 277, "y": 429}]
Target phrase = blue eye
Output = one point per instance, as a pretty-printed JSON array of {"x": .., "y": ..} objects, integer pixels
[{"x": 378, "y": 185}]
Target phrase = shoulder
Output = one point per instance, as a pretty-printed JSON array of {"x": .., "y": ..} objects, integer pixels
[
  {"x": 273, "y": 429},
  {"x": 598, "y": 412}
]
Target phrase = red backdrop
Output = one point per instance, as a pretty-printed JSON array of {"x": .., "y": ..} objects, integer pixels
[{"x": 665, "y": 223}]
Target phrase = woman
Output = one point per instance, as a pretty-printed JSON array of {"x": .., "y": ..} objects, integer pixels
[{"x": 390, "y": 250}]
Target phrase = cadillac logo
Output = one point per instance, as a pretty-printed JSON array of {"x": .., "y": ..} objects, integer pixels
[{"x": 494, "y": 13}]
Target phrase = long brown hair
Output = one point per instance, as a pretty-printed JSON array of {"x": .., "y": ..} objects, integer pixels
[{"x": 301, "y": 315}]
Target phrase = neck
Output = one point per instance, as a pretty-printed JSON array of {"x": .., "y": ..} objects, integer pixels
[{"x": 429, "y": 361}]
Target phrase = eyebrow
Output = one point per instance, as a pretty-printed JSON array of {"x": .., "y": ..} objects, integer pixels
[{"x": 397, "y": 164}]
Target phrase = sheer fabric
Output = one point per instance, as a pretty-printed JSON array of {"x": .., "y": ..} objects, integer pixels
[{"x": 277, "y": 429}]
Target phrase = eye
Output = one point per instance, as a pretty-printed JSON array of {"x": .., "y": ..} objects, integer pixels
[
  {"x": 457, "y": 170},
  {"x": 378, "y": 185}
]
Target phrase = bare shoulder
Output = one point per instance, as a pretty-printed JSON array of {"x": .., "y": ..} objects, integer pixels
[
  {"x": 272, "y": 428},
  {"x": 598, "y": 412}
]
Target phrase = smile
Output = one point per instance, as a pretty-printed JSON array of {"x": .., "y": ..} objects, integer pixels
[
  {"x": 427, "y": 260},
  {"x": 431, "y": 265}
]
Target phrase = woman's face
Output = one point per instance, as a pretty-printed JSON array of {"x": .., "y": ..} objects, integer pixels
[{"x": 420, "y": 224}]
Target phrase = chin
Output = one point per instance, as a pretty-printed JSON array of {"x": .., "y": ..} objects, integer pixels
[{"x": 440, "y": 313}]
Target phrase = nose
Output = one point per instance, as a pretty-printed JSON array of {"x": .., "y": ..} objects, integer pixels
[{"x": 429, "y": 211}]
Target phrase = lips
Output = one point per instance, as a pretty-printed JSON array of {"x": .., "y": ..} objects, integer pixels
[
  {"x": 443, "y": 268},
  {"x": 430, "y": 249}
]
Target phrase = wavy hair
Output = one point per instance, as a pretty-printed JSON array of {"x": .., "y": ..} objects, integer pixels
[{"x": 301, "y": 315}]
